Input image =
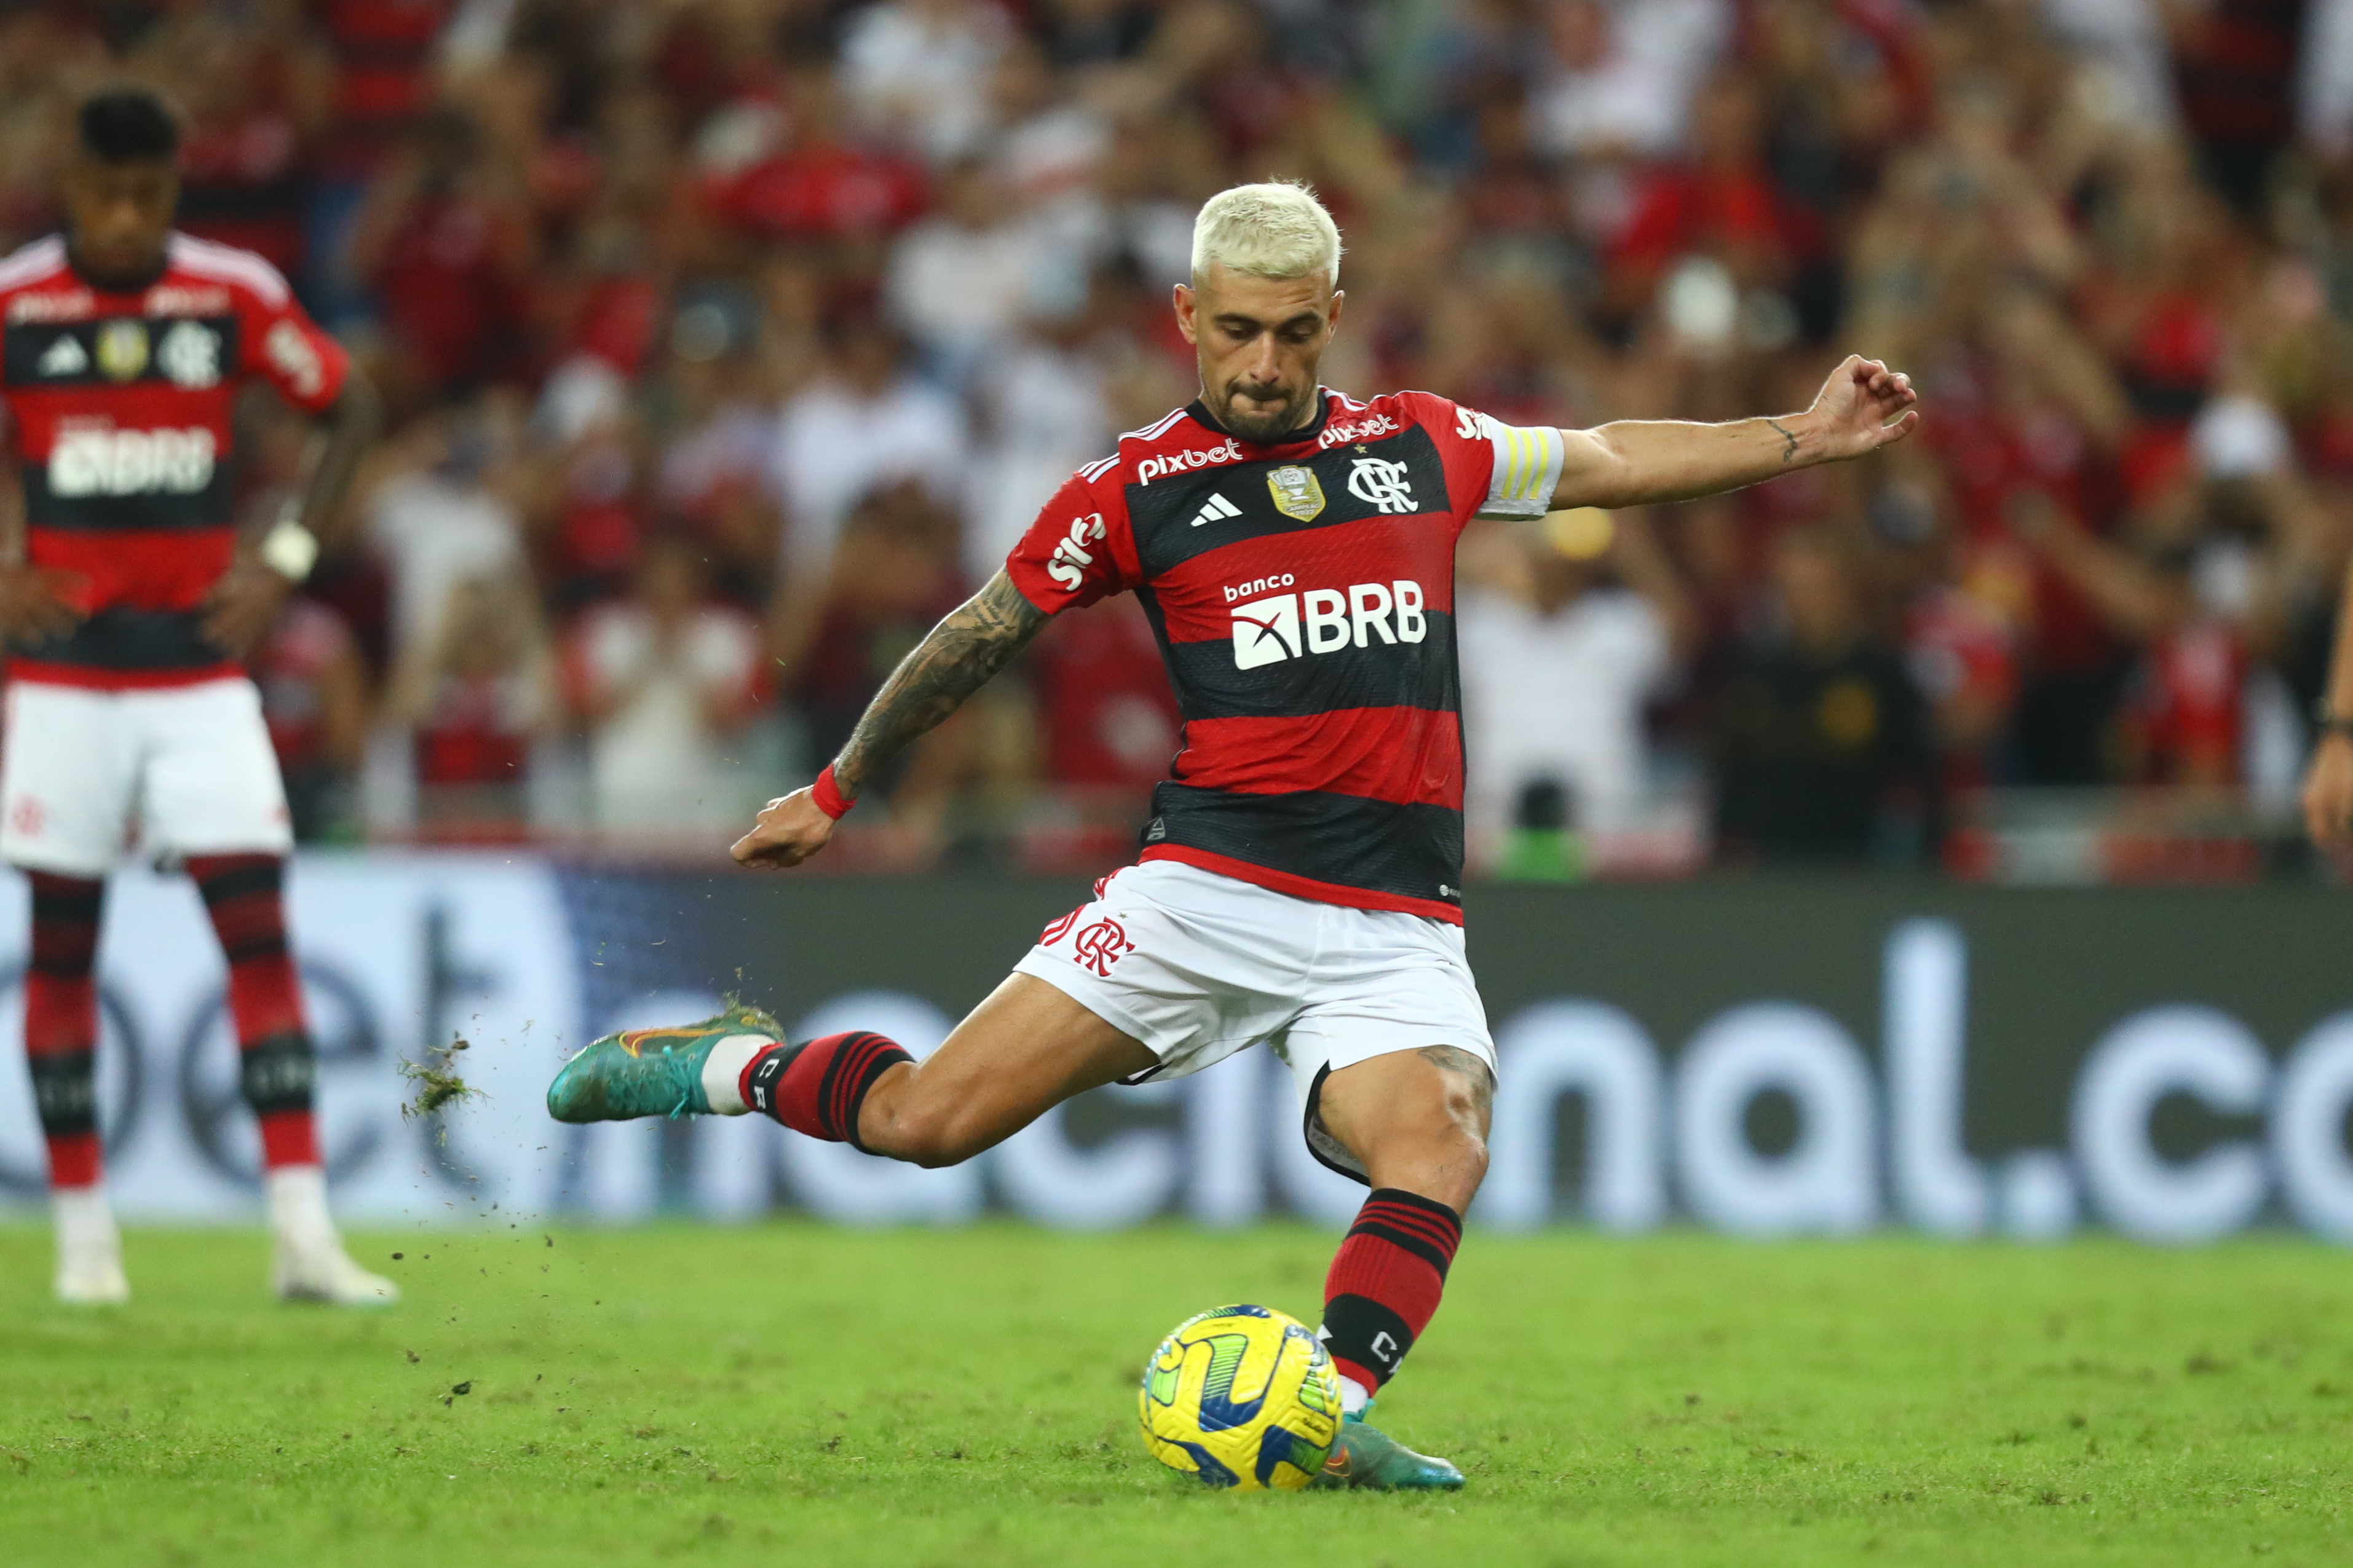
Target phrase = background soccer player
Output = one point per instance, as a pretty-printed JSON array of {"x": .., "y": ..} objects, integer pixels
[
  {"x": 126, "y": 610},
  {"x": 1299, "y": 878}
]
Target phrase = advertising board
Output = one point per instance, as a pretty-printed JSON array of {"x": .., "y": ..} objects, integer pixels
[{"x": 1764, "y": 1056}]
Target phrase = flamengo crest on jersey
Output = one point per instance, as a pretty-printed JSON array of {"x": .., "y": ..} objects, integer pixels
[
  {"x": 1303, "y": 594},
  {"x": 119, "y": 410}
]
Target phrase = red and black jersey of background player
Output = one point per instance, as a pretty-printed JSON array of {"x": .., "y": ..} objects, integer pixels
[
  {"x": 121, "y": 408},
  {"x": 1303, "y": 598}
]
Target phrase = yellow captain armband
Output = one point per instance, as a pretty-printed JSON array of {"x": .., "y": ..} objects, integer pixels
[{"x": 1527, "y": 467}]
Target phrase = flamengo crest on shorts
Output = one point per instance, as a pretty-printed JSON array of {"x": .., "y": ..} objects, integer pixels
[
  {"x": 1303, "y": 594},
  {"x": 120, "y": 404}
]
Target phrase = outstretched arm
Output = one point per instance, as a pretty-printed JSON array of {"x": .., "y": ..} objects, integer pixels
[
  {"x": 977, "y": 640},
  {"x": 1863, "y": 407}
]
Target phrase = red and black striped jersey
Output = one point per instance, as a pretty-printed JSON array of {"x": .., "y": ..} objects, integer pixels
[
  {"x": 1303, "y": 594},
  {"x": 119, "y": 406}
]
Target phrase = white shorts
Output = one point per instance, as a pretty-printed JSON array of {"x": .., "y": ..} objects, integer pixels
[
  {"x": 1198, "y": 966},
  {"x": 188, "y": 769}
]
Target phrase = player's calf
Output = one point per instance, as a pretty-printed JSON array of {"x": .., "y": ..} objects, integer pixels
[
  {"x": 1418, "y": 1122},
  {"x": 1023, "y": 1050},
  {"x": 277, "y": 1068},
  {"x": 278, "y": 1072},
  {"x": 60, "y": 1036},
  {"x": 61, "y": 1024},
  {"x": 820, "y": 1088}
]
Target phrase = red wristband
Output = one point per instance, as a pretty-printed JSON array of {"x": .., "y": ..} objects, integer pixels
[{"x": 828, "y": 796}]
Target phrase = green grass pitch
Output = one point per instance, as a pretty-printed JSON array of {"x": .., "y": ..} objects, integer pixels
[{"x": 788, "y": 1394}]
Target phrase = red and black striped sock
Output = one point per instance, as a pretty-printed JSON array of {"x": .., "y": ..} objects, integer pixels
[
  {"x": 1384, "y": 1283},
  {"x": 817, "y": 1089},
  {"x": 245, "y": 896},
  {"x": 61, "y": 1024}
]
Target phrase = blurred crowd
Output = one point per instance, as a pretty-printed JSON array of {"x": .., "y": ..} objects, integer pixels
[{"x": 730, "y": 343}]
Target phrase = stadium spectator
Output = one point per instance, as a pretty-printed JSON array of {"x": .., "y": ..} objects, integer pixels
[
  {"x": 316, "y": 701},
  {"x": 714, "y": 440},
  {"x": 257, "y": 100},
  {"x": 589, "y": 492},
  {"x": 1822, "y": 744},
  {"x": 892, "y": 576},
  {"x": 1619, "y": 79},
  {"x": 440, "y": 509},
  {"x": 474, "y": 699},
  {"x": 820, "y": 184},
  {"x": 448, "y": 244},
  {"x": 958, "y": 281},
  {"x": 1047, "y": 402},
  {"x": 867, "y": 421},
  {"x": 1575, "y": 625},
  {"x": 918, "y": 70},
  {"x": 662, "y": 680},
  {"x": 1957, "y": 612}
]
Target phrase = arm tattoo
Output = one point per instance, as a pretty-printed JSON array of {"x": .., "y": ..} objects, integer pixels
[
  {"x": 1790, "y": 450},
  {"x": 978, "y": 638}
]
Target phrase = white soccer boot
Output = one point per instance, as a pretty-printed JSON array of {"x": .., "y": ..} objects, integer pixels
[
  {"x": 310, "y": 1263},
  {"x": 90, "y": 1250}
]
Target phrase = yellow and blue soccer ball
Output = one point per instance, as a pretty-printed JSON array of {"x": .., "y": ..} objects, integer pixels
[{"x": 1243, "y": 1397}]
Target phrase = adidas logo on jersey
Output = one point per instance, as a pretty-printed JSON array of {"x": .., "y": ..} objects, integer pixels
[
  {"x": 1217, "y": 511},
  {"x": 1325, "y": 620},
  {"x": 64, "y": 357}
]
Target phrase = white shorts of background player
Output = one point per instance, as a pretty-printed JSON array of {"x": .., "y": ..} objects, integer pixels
[
  {"x": 1217, "y": 965},
  {"x": 190, "y": 768}
]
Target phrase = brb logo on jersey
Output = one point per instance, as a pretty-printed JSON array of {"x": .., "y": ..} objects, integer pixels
[
  {"x": 131, "y": 462},
  {"x": 1325, "y": 620}
]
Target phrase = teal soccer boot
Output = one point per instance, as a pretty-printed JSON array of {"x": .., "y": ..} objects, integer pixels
[
  {"x": 1366, "y": 1456},
  {"x": 650, "y": 1072}
]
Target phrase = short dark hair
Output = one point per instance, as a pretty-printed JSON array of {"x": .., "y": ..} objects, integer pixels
[{"x": 127, "y": 125}]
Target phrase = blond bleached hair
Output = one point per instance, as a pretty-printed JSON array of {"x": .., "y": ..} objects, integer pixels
[{"x": 1275, "y": 230}]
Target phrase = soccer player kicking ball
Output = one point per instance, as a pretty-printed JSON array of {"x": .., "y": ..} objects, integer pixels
[
  {"x": 1301, "y": 877},
  {"x": 126, "y": 608}
]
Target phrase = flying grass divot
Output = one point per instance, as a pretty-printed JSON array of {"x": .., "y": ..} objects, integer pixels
[{"x": 439, "y": 1087}]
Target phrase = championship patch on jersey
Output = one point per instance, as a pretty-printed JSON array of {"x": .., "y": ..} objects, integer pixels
[
  {"x": 123, "y": 348},
  {"x": 1297, "y": 493}
]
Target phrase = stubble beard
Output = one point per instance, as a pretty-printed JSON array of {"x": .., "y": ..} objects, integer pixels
[{"x": 1264, "y": 429}]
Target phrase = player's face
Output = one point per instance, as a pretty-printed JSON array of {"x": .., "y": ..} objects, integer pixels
[
  {"x": 119, "y": 214},
  {"x": 1259, "y": 340}
]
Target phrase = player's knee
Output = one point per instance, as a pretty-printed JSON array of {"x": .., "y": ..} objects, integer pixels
[
  {"x": 1475, "y": 1162},
  {"x": 1458, "y": 1160},
  {"x": 1445, "y": 1160}
]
